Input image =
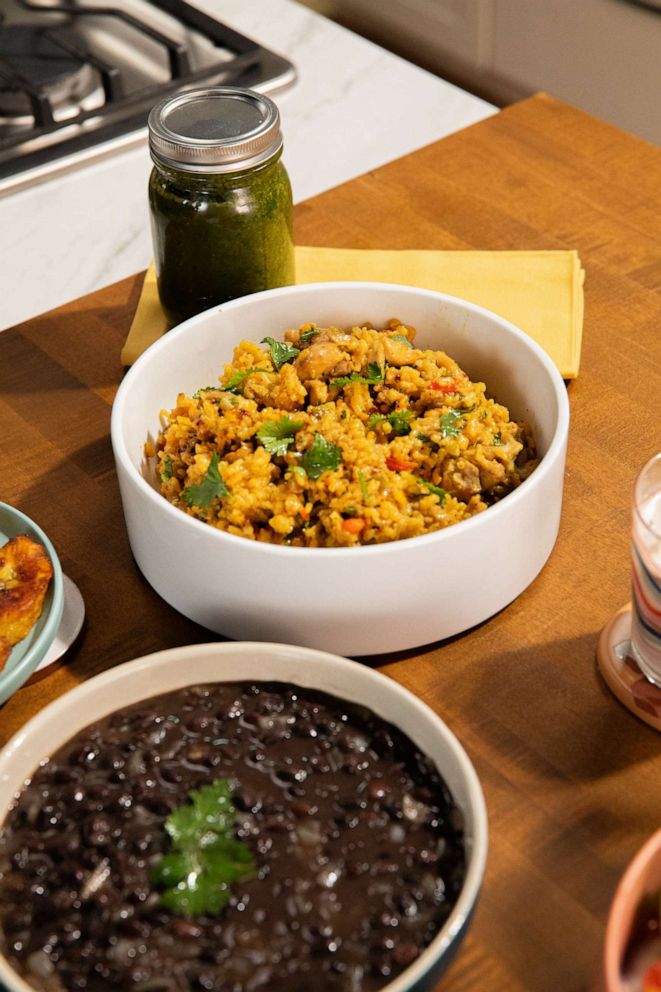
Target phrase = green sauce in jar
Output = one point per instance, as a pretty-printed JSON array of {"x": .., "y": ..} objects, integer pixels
[{"x": 220, "y": 199}]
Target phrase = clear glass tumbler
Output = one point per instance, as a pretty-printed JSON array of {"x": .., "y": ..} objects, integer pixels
[{"x": 646, "y": 571}]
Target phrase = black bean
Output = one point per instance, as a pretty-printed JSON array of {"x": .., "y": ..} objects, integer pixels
[
  {"x": 186, "y": 928},
  {"x": 377, "y": 789},
  {"x": 303, "y": 807},
  {"x": 199, "y": 721}
]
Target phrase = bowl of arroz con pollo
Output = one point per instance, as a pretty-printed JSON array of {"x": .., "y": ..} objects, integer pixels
[{"x": 356, "y": 467}]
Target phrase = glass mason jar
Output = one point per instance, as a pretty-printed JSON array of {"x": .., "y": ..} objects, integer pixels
[{"x": 220, "y": 199}]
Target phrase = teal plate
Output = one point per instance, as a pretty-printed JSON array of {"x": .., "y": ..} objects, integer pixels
[{"x": 27, "y": 654}]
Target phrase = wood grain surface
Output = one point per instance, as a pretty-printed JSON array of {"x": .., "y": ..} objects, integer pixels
[{"x": 572, "y": 779}]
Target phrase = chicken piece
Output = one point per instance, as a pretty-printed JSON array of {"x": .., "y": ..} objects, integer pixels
[
  {"x": 492, "y": 471},
  {"x": 333, "y": 334},
  {"x": 398, "y": 353},
  {"x": 345, "y": 367},
  {"x": 25, "y": 571},
  {"x": 317, "y": 360},
  {"x": 492, "y": 474},
  {"x": 461, "y": 478}
]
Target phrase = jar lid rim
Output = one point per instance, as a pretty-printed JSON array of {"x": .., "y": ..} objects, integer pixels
[{"x": 216, "y": 129}]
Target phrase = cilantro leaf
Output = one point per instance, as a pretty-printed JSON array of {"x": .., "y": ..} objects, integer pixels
[
  {"x": 398, "y": 420},
  {"x": 204, "y": 857},
  {"x": 321, "y": 456},
  {"x": 307, "y": 336},
  {"x": 434, "y": 490},
  {"x": 277, "y": 435},
  {"x": 374, "y": 375},
  {"x": 239, "y": 378},
  {"x": 212, "y": 487},
  {"x": 344, "y": 380},
  {"x": 203, "y": 389},
  {"x": 449, "y": 423},
  {"x": 280, "y": 351},
  {"x": 402, "y": 338},
  {"x": 166, "y": 473}
]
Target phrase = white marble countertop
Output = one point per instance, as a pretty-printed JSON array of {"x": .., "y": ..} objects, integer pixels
[{"x": 353, "y": 107}]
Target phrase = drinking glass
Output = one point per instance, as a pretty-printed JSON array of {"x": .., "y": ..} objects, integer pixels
[{"x": 646, "y": 571}]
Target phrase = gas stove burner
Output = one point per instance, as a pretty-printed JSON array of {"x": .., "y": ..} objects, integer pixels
[
  {"x": 79, "y": 77},
  {"x": 37, "y": 61}
]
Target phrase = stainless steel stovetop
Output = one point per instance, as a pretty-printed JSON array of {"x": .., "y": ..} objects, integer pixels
[{"x": 77, "y": 79}]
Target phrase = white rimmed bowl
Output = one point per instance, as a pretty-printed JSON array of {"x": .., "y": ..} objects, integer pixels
[
  {"x": 179, "y": 667},
  {"x": 353, "y": 601}
]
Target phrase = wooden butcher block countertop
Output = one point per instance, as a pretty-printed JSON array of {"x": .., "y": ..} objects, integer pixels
[{"x": 572, "y": 779}]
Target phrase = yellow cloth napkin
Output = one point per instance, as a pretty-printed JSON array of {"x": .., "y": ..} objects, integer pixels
[{"x": 539, "y": 291}]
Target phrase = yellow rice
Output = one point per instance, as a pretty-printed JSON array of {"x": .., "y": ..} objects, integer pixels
[{"x": 416, "y": 448}]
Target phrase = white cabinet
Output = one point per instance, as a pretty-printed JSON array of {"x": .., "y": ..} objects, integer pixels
[{"x": 601, "y": 55}]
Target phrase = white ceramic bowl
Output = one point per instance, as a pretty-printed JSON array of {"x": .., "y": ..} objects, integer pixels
[
  {"x": 179, "y": 667},
  {"x": 353, "y": 601}
]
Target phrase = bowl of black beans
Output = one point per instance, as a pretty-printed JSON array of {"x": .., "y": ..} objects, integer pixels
[{"x": 236, "y": 817}]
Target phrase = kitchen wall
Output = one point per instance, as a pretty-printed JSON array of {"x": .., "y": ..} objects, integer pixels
[{"x": 601, "y": 55}]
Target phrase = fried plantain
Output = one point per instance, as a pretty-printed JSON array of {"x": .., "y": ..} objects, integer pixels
[{"x": 25, "y": 571}]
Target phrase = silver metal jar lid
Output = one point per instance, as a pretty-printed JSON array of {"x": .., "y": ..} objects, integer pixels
[{"x": 223, "y": 129}]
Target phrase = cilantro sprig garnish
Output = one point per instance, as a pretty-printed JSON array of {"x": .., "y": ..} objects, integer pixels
[
  {"x": 307, "y": 336},
  {"x": 402, "y": 338},
  {"x": 322, "y": 456},
  {"x": 280, "y": 352},
  {"x": 205, "y": 857},
  {"x": 277, "y": 435},
  {"x": 434, "y": 490},
  {"x": 375, "y": 374},
  {"x": 212, "y": 487},
  {"x": 450, "y": 426},
  {"x": 237, "y": 380},
  {"x": 399, "y": 420},
  {"x": 166, "y": 471}
]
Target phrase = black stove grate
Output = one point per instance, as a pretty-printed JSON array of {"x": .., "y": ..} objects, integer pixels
[{"x": 121, "y": 109}]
